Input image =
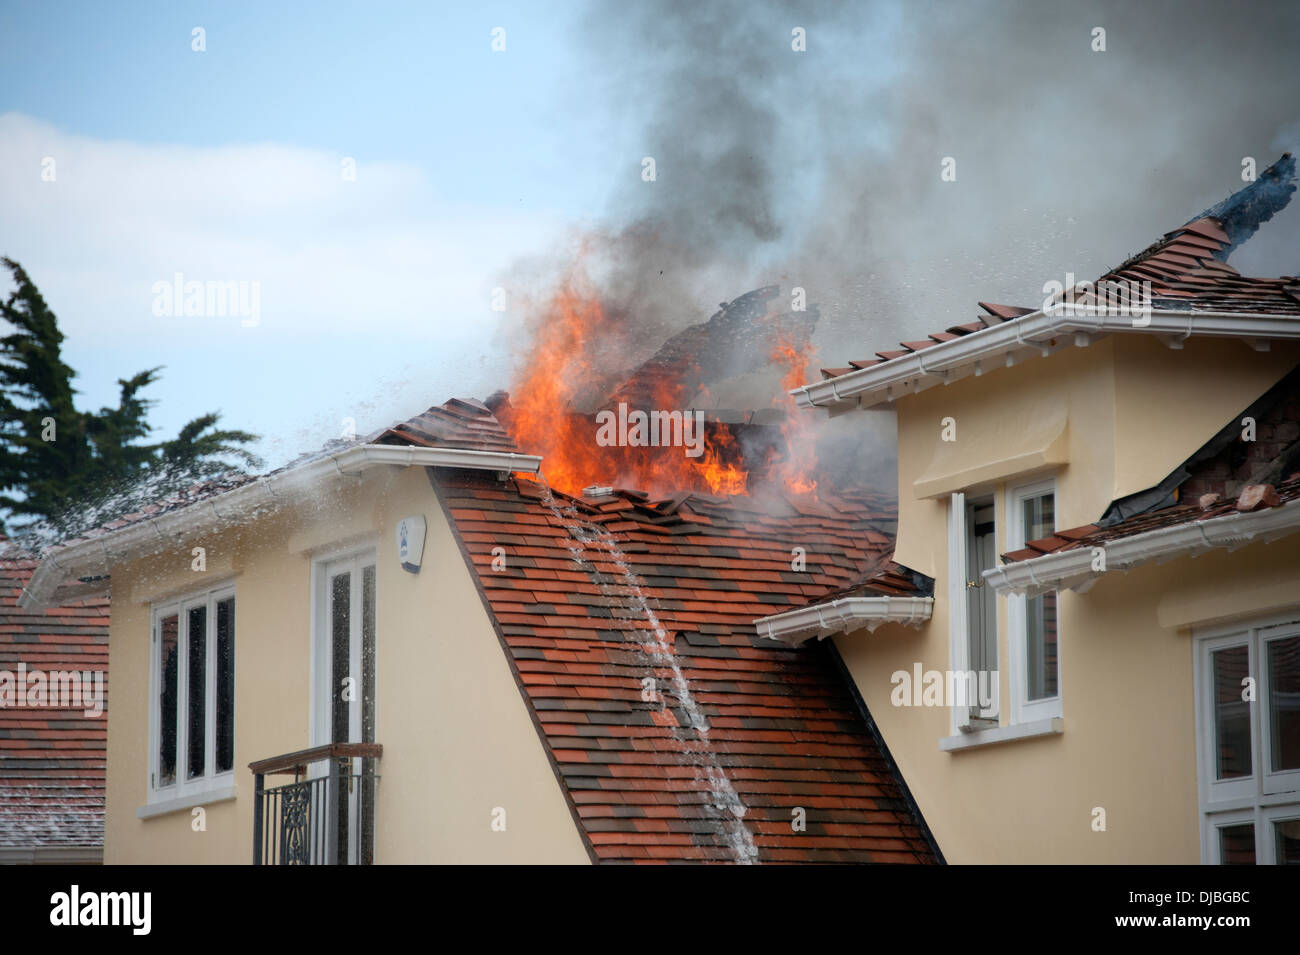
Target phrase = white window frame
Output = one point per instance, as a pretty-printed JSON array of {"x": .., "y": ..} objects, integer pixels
[
  {"x": 1287, "y": 780},
  {"x": 1210, "y": 841},
  {"x": 360, "y": 554},
  {"x": 960, "y": 542},
  {"x": 1024, "y": 710},
  {"x": 211, "y": 781},
  {"x": 1264, "y": 797}
]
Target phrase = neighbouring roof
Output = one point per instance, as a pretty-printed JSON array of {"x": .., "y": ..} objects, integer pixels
[
  {"x": 51, "y": 760},
  {"x": 448, "y": 436},
  {"x": 456, "y": 424},
  {"x": 677, "y": 732},
  {"x": 1186, "y": 268}
]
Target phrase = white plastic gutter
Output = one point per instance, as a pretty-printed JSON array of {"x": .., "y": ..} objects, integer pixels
[
  {"x": 95, "y": 556},
  {"x": 838, "y": 616},
  {"x": 1073, "y": 569},
  {"x": 947, "y": 361}
]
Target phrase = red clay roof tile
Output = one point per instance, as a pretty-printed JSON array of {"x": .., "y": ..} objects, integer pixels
[{"x": 51, "y": 760}]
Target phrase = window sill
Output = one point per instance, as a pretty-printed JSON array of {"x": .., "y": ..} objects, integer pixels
[
  {"x": 1003, "y": 734},
  {"x": 206, "y": 798}
]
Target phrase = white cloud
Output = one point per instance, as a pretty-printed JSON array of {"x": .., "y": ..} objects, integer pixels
[{"x": 374, "y": 293}]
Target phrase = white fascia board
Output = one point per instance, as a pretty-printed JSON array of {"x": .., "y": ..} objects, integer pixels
[
  {"x": 94, "y": 557},
  {"x": 1073, "y": 569},
  {"x": 948, "y": 361},
  {"x": 839, "y": 616}
]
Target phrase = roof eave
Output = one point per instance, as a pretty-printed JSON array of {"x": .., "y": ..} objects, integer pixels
[
  {"x": 95, "y": 556},
  {"x": 840, "y": 616},
  {"x": 1075, "y": 569},
  {"x": 948, "y": 361}
]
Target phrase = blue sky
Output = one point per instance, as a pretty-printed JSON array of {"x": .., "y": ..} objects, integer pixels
[{"x": 223, "y": 165}]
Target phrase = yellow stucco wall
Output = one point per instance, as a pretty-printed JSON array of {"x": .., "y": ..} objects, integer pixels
[
  {"x": 458, "y": 740},
  {"x": 1134, "y": 411}
]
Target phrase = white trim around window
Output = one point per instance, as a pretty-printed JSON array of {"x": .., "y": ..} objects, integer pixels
[
  {"x": 187, "y": 689},
  {"x": 361, "y": 552},
  {"x": 1237, "y": 782},
  {"x": 958, "y": 623},
  {"x": 1024, "y": 709}
]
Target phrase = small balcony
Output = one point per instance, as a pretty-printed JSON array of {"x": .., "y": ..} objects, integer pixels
[{"x": 326, "y": 816}]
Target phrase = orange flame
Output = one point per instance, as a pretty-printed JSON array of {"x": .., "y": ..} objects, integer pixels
[
  {"x": 562, "y": 362},
  {"x": 796, "y": 468}
]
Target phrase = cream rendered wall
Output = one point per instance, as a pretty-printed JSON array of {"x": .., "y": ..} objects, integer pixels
[
  {"x": 1128, "y": 744},
  {"x": 458, "y": 740},
  {"x": 1169, "y": 402}
]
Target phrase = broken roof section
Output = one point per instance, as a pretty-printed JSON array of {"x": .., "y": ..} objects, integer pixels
[{"x": 1188, "y": 275}]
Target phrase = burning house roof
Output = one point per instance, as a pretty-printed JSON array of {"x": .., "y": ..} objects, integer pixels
[
  {"x": 566, "y": 383},
  {"x": 678, "y": 733}
]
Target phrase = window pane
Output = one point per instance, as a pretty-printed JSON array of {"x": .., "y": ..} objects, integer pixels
[
  {"x": 196, "y": 728},
  {"x": 1040, "y": 646},
  {"x": 1237, "y": 844},
  {"x": 368, "y": 654},
  {"x": 1231, "y": 713},
  {"x": 1038, "y": 518},
  {"x": 1287, "y": 835},
  {"x": 167, "y": 690},
  {"x": 1284, "y": 702},
  {"x": 981, "y": 604},
  {"x": 226, "y": 685},
  {"x": 340, "y": 615}
]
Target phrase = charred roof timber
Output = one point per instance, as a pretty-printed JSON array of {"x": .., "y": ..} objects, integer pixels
[{"x": 1242, "y": 213}]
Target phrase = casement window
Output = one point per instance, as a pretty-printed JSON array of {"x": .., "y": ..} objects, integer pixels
[
  {"x": 192, "y": 695},
  {"x": 1248, "y": 743},
  {"x": 1033, "y": 636},
  {"x": 973, "y": 618}
]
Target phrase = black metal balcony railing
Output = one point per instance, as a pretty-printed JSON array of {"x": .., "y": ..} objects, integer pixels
[{"x": 311, "y": 821}]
